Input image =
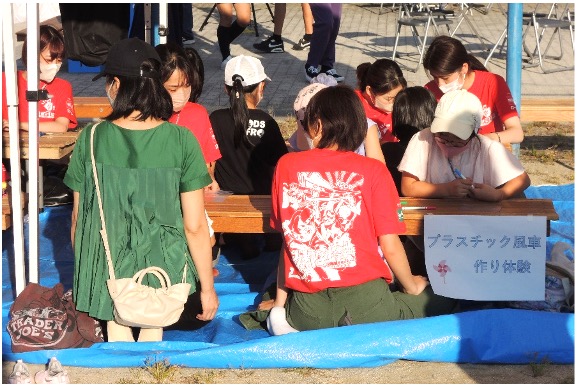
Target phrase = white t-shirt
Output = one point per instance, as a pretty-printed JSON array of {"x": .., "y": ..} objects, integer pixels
[{"x": 485, "y": 161}]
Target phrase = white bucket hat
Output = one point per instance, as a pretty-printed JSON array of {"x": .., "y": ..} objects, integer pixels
[
  {"x": 459, "y": 113},
  {"x": 248, "y": 67}
]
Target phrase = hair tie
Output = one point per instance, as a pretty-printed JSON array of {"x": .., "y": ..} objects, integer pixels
[
  {"x": 237, "y": 95},
  {"x": 236, "y": 76}
]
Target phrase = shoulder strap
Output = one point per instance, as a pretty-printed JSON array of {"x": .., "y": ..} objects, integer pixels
[{"x": 103, "y": 233}]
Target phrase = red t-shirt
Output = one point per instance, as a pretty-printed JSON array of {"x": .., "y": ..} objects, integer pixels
[
  {"x": 61, "y": 104},
  {"x": 384, "y": 120},
  {"x": 331, "y": 206},
  {"x": 195, "y": 117},
  {"x": 495, "y": 96}
]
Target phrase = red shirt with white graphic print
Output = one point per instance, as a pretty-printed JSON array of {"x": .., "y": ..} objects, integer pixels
[
  {"x": 383, "y": 120},
  {"x": 60, "y": 104},
  {"x": 495, "y": 96},
  {"x": 331, "y": 207},
  {"x": 195, "y": 117}
]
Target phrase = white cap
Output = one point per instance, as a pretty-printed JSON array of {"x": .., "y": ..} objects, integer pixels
[
  {"x": 459, "y": 113},
  {"x": 248, "y": 67}
]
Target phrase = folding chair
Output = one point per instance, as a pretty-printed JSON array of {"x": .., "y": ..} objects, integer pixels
[
  {"x": 205, "y": 22},
  {"x": 466, "y": 11},
  {"x": 414, "y": 19},
  {"x": 555, "y": 21},
  {"x": 527, "y": 22}
]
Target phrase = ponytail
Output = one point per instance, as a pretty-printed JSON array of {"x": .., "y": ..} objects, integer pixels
[
  {"x": 475, "y": 64},
  {"x": 239, "y": 109}
]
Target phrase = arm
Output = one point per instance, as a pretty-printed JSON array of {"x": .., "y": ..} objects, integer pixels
[
  {"x": 214, "y": 185},
  {"x": 58, "y": 125},
  {"x": 197, "y": 237},
  {"x": 397, "y": 259},
  {"x": 372, "y": 144},
  {"x": 76, "y": 196},
  {"x": 413, "y": 187},
  {"x": 513, "y": 132},
  {"x": 281, "y": 290},
  {"x": 510, "y": 189}
]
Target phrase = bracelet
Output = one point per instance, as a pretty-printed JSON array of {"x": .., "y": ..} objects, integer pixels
[{"x": 498, "y": 136}]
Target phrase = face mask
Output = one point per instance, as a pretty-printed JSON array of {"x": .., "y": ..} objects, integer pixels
[
  {"x": 179, "y": 98},
  {"x": 48, "y": 71},
  {"x": 110, "y": 100},
  {"x": 449, "y": 151},
  {"x": 454, "y": 85},
  {"x": 388, "y": 108}
]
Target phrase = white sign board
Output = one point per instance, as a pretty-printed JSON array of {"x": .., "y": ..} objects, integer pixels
[{"x": 486, "y": 258}]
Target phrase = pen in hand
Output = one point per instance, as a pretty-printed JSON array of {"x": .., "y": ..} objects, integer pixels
[{"x": 458, "y": 174}]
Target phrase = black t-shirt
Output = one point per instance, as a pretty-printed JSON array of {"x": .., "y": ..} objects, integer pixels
[
  {"x": 247, "y": 169},
  {"x": 393, "y": 153}
]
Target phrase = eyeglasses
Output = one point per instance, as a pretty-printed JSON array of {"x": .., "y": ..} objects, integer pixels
[{"x": 451, "y": 142}]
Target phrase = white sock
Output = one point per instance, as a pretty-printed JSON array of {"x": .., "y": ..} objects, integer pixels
[{"x": 276, "y": 322}]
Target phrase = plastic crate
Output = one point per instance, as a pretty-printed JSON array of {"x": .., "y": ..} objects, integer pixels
[{"x": 75, "y": 66}]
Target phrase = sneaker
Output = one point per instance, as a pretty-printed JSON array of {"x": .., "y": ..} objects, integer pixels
[
  {"x": 302, "y": 44},
  {"x": 223, "y": 64},
  {"x": 20, "y": 374},
  {"x": 311, "y": 72},
  {"x": 270, "y": 45},
  {"x": 55, "y": 374},
  {"x": 332, "y": 72}
]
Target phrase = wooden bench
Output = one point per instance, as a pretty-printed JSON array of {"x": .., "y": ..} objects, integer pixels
[
  {"x": 251, "y": 213},
  {"x": 547, "y": 110},
  {"x": 532, "y": 110}
]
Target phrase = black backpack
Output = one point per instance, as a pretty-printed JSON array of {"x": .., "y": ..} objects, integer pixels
[{"x": 91, "y": 29}]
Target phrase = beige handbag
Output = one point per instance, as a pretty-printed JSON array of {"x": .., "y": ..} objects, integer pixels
[{"x": 136, "y": 304}]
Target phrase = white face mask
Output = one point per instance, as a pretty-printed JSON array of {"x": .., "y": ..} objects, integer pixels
[
  {"x": 110, "y": 100},
  {"x": 48, "y": 71},
  {"x": 179, "y": 98},
  {"x": 310, "y": 141},
  {"x": 454, "y": 85}
]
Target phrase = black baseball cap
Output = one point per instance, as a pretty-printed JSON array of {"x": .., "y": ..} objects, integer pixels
[{"x": 126, "y": 56}]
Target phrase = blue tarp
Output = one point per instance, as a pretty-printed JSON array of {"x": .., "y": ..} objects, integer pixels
[{"x": 482, "y": 336}]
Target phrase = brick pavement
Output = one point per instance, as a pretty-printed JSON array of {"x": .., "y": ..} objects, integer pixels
[{"x": 367, "y": 33}]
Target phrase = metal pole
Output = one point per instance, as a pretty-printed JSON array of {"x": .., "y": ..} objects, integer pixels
[
  {"x": 33, "y": 162},
  {"x": 14, "y": 131},
  {"x": 514, "y": 53}
]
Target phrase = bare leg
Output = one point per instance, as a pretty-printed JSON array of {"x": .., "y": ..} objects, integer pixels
[
  {"x": 150, "y": 335},
  {"x": 279, "y": 16},
  {"x": 307, "y": 18},
  {"x": 118, "y": 333}
]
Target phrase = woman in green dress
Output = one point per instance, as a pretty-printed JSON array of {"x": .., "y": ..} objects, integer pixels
[{"x": 151, "y": 175}]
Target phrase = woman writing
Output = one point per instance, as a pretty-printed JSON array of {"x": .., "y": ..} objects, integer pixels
[
  {"x": 152, "y": 175},
  {"x": 452, "y": 68}
]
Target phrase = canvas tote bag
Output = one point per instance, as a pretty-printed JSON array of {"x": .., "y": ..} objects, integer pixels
[{"x": 136, "y": 304}]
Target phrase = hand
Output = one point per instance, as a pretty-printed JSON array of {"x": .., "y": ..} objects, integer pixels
[
  {"x": 209, "y": 301},
  {"x": 266, "y": 305},
  {"x": 420, "y": 284},
  {"x": 459, "y": 188},
  {"x": 484, "y": 192},
  {"x": 213, "y": 187}
]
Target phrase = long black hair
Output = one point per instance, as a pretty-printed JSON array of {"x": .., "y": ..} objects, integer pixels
[
  {"x": 446, "y": 55},
  {"x": 145, "y": 94},
  {"x": 413, "y": 110},
  {"x": 174, "y": 57},
  {"x": 239, "y": 109},
  {"x": 382, "y": 76}
]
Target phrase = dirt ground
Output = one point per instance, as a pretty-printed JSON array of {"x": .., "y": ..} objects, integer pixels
[{"x": 547, "y": 154}]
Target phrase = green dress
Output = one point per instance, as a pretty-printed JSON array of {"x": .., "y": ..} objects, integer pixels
[{"x": 141, "y": 175}]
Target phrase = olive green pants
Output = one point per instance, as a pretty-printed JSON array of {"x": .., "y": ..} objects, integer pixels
[{"x": 369, "y": 302}]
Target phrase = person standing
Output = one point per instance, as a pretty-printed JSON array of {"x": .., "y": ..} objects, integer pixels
[
  {"x": 321, "y": 58},
  {"x": 228, "y": 30},
  {"x": 152, "y": 177}
]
